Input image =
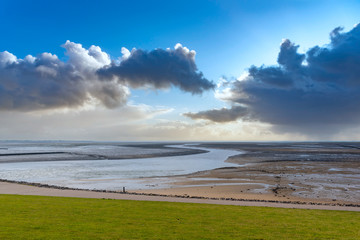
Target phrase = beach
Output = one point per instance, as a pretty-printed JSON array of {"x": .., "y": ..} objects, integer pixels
[{"x": 300, "y": 175}]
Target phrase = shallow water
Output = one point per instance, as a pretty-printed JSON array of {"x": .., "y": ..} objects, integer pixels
[{"x": 116, "y": 174}]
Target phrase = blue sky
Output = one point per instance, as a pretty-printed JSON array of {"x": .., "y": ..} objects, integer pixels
[{"x": 228, "y": 37}]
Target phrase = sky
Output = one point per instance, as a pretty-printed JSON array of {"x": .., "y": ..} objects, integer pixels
[{"x": 205, "y": 70}]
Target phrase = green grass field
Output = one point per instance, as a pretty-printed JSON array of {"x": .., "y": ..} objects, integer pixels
[{"x": 33, "y": 217}]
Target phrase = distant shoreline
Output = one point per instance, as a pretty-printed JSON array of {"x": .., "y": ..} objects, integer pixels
[{"x": 75, "y": 156}]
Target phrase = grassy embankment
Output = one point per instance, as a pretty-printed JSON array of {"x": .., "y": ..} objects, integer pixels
[{"x": 33, "y": 217}]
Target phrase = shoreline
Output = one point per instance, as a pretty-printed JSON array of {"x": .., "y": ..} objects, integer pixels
[
  {"x": 170, "y": 151},
  {"x": 289, "y": 174},
  {"x": 26, "y": 188}
]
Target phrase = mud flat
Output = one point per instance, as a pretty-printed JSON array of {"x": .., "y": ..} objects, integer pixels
[
  {"x": 327, "y": 173},
  {"x": 47, "y": 151}
]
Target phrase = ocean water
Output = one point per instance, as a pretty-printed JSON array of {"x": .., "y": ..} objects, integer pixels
[{"x": 133, "y": 174}]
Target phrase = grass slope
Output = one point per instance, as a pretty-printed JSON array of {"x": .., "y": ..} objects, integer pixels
[{"x": 34, "y": 217}]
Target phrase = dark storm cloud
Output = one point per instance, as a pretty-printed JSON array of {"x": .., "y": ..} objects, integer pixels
[
  {"x": 288, "y": 56},
  {"x": 220, "y": 115},
  {"x": 159, "y": 69},
  {"x": 314, "y": 93},
  {"x": 46, "y": 82}
]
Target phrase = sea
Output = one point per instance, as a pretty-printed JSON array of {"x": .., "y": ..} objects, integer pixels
[{"x": 94, "y": 165}]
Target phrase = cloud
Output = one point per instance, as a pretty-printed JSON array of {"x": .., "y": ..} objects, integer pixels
[
  {"x": 158, "y": 69},
  {"x": 314, "y": 93},
  {"x": 89, "y": 75},
  {"x": 45, "y": 82},
  {"x": 220, "y": 115}
]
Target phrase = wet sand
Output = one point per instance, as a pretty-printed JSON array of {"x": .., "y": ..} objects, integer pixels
[
  {"x": 295, "y": 175},
  {"x": 33, "y": 151},
  {"x": 326, "y": 173},
  {"x": 22, "y": 189}
]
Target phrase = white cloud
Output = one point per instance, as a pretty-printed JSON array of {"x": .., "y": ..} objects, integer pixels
[
  {"x": 125, "y": 53},
  {"x": 86, "y": 59},
  {"x": 7, "y": 58}
]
